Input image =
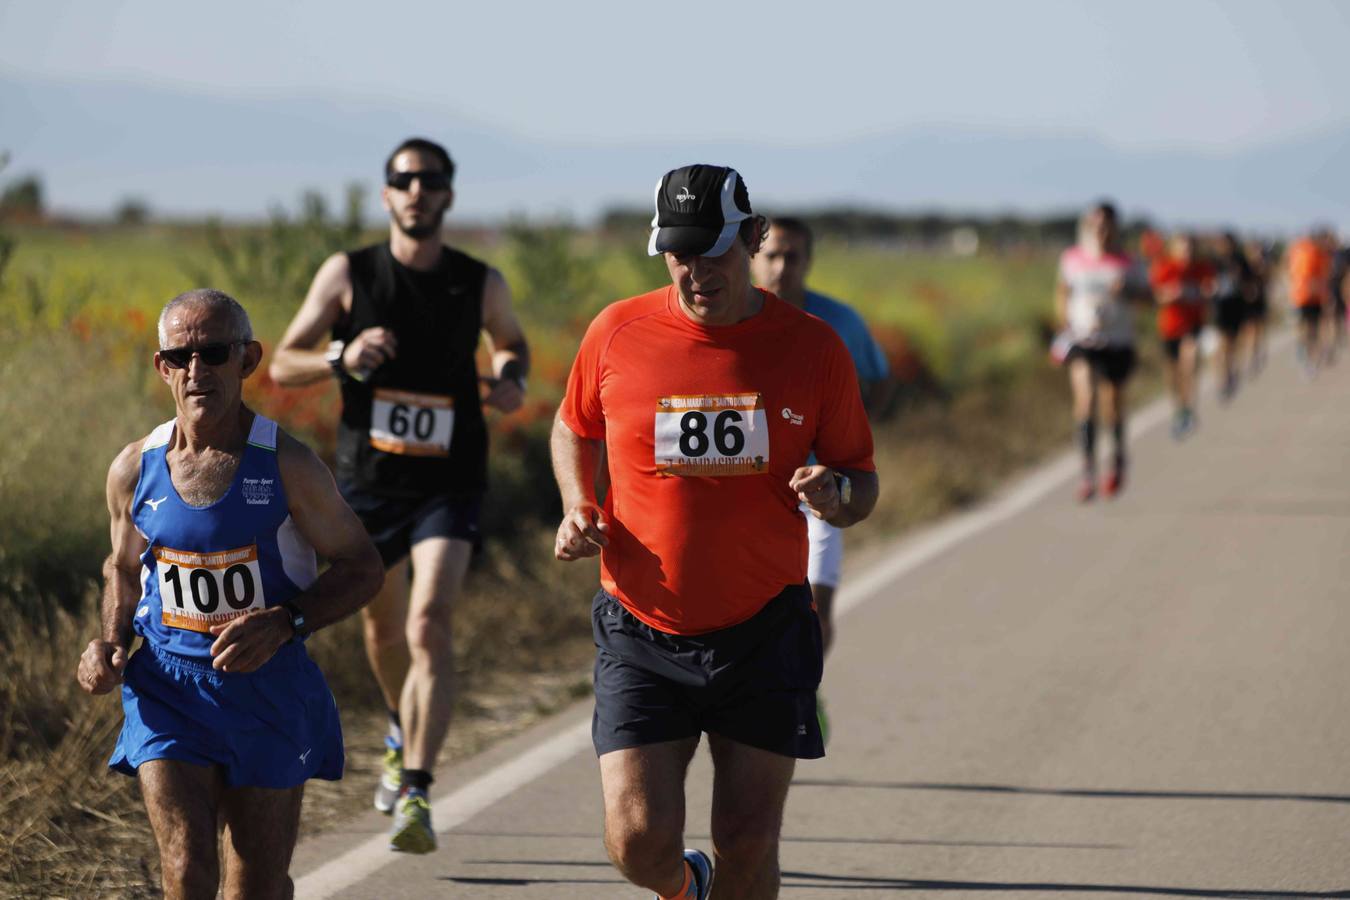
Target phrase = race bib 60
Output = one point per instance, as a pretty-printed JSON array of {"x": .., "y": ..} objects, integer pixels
[
  {"x": 411, "y": 424},
  {"x": 198, "y": 590},
  {"x": 712, "y": 434}
]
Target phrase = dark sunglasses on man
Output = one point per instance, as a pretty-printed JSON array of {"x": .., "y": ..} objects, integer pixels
[
  {"x": 211, "y": 354},
  {"x": 431, "y": 181}
]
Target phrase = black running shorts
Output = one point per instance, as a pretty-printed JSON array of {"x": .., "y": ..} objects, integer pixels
[
  {"x": 1172, "y": 346},
  {"x": 1310, "y": 314},
  {"x": 754, "y": 682},
  {"x": 395, "y": 524},
  {"x": 1112, "y": 363},
  {"x": 1229, "y": 314}
]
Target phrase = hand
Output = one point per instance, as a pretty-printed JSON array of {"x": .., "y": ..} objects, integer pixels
[
  {"x": 584, "y": 530},
  {"x": 505, "y": 394},
  {"x": 247, "y": 642},
  {"x": 369, "y": 350},
  {"x": 816, "y": 488},
  {"x": 101, "y": 666}
]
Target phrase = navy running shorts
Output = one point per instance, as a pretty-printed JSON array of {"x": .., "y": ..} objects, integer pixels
[
  {"x": 273, "y": 728},
  {"x": 754, "y": 682},
  {"x": 396, "y": 523}
]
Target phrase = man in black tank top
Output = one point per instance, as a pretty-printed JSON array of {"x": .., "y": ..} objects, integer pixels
[{"x": 405, "y": 318}]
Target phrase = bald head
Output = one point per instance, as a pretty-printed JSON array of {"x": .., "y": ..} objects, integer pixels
[{"x": 216, "y": 303}]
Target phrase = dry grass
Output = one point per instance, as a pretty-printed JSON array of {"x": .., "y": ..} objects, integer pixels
[{"x": 523, "y": 650}]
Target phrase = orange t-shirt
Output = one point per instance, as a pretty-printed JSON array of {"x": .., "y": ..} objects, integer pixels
[
  {"x": 1187, "y": 313},
  {"x": 1309, "y": 273},
  {"x": 703, "y": 427}
]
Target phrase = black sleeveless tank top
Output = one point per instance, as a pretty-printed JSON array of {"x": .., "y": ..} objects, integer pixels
[{"x": 415, "y": 426}]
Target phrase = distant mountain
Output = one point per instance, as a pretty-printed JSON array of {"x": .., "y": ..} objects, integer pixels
[{"x": 191, "y": 153}]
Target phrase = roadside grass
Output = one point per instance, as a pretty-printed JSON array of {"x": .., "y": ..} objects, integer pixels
[{"x": 75, "y": 385}]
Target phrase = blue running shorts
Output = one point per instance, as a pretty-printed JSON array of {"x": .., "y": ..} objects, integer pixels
[{"x": 273, "y": 728}]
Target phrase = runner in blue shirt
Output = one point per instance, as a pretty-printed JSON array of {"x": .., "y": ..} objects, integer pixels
[{"x": 781, "y": 267}]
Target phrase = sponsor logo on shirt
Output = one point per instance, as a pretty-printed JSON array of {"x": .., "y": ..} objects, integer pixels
[
  {"x": 258, "y": 491},
  {"x": 793, "y": 417}
]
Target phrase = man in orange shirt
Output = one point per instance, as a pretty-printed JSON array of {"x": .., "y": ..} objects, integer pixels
[
  {"x": 1183, "y": 284},
  {"x": 1309, "y": 266},
  {"x": 705, "y": 398}
]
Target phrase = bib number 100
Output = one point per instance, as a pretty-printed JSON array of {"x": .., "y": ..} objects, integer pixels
[
  {"x": 198, "y": 590},
  {"x": 205, "y": 589}
]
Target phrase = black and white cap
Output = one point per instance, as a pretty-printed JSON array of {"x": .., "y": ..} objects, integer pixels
[{"x": 699, "y": 209}]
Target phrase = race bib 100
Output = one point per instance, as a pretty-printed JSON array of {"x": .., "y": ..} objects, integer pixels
[
  {"x": 411, "y": 424},
  {"x": 198, "y": 590},
  {"x": 712, "y": 434}
]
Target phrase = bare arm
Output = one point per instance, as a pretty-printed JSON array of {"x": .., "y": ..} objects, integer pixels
[
  {"x": 576, "y": 461},
  {"x": 1061, "y": 305},
  {"x": 506, "y": 344},
  {"x": 103, "y": 660},
  {"x": 299, "y": 357},
  {"x": 354, "y": 574},
  {"x": 817, "y": 488}
]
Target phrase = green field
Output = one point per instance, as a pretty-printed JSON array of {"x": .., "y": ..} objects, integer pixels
[{"x": 76, "y": 385}]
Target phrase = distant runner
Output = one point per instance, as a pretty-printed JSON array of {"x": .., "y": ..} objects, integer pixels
[
  {"x": 216, "y": 519},
  {"x": 709, "y": 396},
  {"x": 1183, "y": 285},
  {"x": 1258, "y": 306},
  {"x": 1233, "y": 287},
  {"x": 1308, "y": 264},
  {"x": 1093, "y": 294}
]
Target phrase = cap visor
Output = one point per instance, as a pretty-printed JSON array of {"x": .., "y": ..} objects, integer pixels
[{"x": 692, "y": 240}]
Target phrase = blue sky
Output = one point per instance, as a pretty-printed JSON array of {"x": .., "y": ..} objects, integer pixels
[{"x": 1201, "y": 78}]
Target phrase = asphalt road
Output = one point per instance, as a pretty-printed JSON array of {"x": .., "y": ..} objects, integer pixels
[{"x": 1149, "y": 696}]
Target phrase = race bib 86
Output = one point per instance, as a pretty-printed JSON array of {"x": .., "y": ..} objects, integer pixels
[
  {"x": 198, "y": 590},
  {"x": 712, "y": 434},
  {"x": 411, "y": 424}
]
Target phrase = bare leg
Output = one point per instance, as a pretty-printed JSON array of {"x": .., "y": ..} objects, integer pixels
[
  {"x": 1186, "y": 372},
  {"x": 386, "y": 639},
  {"x": 181, "y": 799},
  {"x": 749, "y": 792},
  {"x": 439, "y": 566},
  {"x": 823, "y": 595},
  {"x": 261, "y": 825},
  {"x": 644, "y": 812}
]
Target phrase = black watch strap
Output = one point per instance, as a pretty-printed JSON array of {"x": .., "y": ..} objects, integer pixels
[{"x": 297, "y": 619}]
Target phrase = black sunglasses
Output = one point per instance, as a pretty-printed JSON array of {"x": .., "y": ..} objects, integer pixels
[
  {"x": 431, "y": 181},
  {"x": 211, "y": 354}
]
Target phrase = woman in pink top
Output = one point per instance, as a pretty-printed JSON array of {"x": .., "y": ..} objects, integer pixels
[{"x": 1097, "y": 281}]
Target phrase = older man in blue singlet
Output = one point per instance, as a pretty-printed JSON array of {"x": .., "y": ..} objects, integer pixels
[{"x": 217, "y": 521}]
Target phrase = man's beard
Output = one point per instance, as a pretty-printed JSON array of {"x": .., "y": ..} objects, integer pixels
[{"x": 418, "y": 232}]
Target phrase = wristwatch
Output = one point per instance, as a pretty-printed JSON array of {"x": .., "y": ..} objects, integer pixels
[
  {"x": 297, "y": 619},
  {"x": 334, "y": 357},
  {"x": 845, "y": 488}
]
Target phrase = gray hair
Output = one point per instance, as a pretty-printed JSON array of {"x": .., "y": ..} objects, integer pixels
[{"x": 216, "y": 301}]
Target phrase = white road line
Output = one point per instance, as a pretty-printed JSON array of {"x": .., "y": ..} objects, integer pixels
[
  {"x": 449, "y": 811},
  {"x": 913, "y": 551}
]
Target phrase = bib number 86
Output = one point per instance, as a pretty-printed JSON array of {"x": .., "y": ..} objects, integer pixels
[{"x": 726, "y": 433}]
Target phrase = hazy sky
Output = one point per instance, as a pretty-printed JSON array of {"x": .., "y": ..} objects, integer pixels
[
  {"x": 1203, "y": 76},
  {"x": 1181, "y": 71}
]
